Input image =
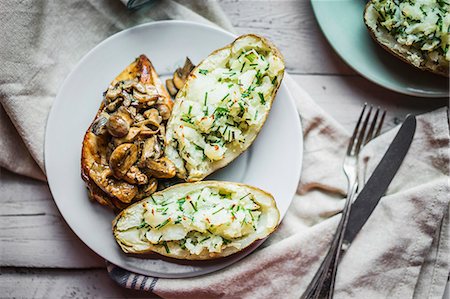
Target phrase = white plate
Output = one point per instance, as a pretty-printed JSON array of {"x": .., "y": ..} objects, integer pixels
[{"x": 273, "y": 162}]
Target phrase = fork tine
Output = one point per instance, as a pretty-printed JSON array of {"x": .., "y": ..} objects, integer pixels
[
  {"x": 370, "y": 135},
  {"x": 355, "y": 131},
  {"x": 380, "y": 124},
  {"x": 362, "y": 132}
]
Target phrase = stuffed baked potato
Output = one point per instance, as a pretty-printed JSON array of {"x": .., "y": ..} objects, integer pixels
[
  {"x": 416, "y": 31},
  {"x": 222, "y": 106},
  {"x": 197, "y": 221}
]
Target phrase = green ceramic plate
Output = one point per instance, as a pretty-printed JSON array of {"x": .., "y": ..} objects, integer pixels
[{"x": 342, "y": 23}]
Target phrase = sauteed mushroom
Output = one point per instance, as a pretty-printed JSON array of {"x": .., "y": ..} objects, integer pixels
[
  {"x": 122, "y": 158},
  {"x": 153, "y": 114},
  {"x": 179, "y": 77},
  {"x": 151, "y": 149},
  {"x": 129, "y": 131},
  {"x": 164, "y": 111},
  {"x": 99, "y": 125},
  {"x": 171, "y": 87},
  {"x": 162, "y": 168},
  {"x": 135, "y": 176},
  {"x": 119, "y": 123}
]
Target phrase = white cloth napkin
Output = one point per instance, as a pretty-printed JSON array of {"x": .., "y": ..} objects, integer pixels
[{"x": 401, "y": 252}]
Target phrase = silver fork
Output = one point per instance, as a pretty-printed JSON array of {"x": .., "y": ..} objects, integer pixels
[{"x": 322, "y": 285}]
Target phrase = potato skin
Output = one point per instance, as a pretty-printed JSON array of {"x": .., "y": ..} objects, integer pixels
[
  {"x": 205, "y": 255},
  {"x": 227, "y": 160},
  {"x": 437, "y": 69}
]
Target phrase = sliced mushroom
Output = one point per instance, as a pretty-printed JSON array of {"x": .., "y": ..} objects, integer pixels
[
  {"x": 135, "y": 176},
  {"x": 164, "y": 111},
  {"x": 153, "y": 114},
  {"x": 181, "y": 74},
  {"x": 127, "y": 98},
  {"x": 187, "y": 68},
  {"x": 145, "y": 97},
  {"x": 151, "y": 149},
  {"x": 119, "y": 123},
  {"x": 99, "y": 125},
  {"x": 171, "y": 87},
  {"x": 140, "y": 87},
  {"x": 147, "y": 132},
  {"x": 114, "y": 104},
  {"x": 131, "y": 136},
  {"x": 148, "y": 189},
  {"x": 162, "y": 168},
  {"x": 122, "y": 158},
  {"x": 123, "y": 191},
  {"x": 113, "y": 92},
  {"x": 177, "y": 79}
]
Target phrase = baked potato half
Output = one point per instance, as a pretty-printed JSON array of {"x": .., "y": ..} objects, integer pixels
[
  {"x": 222, "y": 106},
  {"x": 123, "y": 149},
  {"x": 197, "y": 221},
  {"x": 416, "y": 31}
]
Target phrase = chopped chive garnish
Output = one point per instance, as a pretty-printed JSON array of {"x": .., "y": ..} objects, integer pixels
[
  {"x": 166, "y": 247},
  {"x": 143, "y": 224},
  {"x": 208, "y": 237},
  {"x": 151, "y": 196},
  {"x": 225, "y": 241},
  {"x": 253, "y": 64},
  {"x": 203, "y": 72},
  {"x": 267, "y": 67},
  {"x": 230, "y": 85},
  {"x": 180, "y": 203},
  {"x": 242, "y": 68},
  {"x": 256, "y": 114},
  {"x": 218, "y": 211},
  {"x": 261, "y": 97},
  {"x": 274, "y": 79},
  {"x": 206, "y": 99},
  {"x": 166, "y": 203},
  {"x": 251, "y": 56},
  {"x": 244, "y": 196},
  {"x": 209, "y": 232},
  {"x": 190, "y": 109},
  {"x": 162, "y": 223},
  {"x": 195, "y": 209},
  {"x": 226, "y": 96},
  {"x": 198, "y": 147}
]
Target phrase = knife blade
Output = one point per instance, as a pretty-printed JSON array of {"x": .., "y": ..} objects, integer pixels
[{"x": 380, "y": 180}]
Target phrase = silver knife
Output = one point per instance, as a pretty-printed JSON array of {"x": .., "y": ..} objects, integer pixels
[
  {"x": 380, "y": 179},
  {"x": 370, "y": 195}
]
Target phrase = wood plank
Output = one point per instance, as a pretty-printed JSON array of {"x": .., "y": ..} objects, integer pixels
[
  {"x": 35, "y": 235},
  {"x": 33, "y": 232},
  {"x": 343, "y": 97},
  {"x": 59, "y": 283},
  {"x": 292, "y": 26}
]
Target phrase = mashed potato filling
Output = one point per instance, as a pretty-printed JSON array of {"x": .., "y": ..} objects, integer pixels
[
  {"x": 208, "y": 219},
  {"x": 422, "y": 24},
  {"x": 229, "y": 97}
]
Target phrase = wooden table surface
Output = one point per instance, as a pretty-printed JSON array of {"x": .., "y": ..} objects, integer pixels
[{"x": 42, "y": 258}]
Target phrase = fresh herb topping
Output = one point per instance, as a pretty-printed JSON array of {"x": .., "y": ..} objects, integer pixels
[
  {"x": 203, "y": 72},
  {"x": 261, "y": 97},
  {"x": 251, "y": 56}
]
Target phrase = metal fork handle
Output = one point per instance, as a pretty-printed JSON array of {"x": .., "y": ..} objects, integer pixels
[
  {"x": 313, "y": 289},
  {"x": 329, "y": 278}
]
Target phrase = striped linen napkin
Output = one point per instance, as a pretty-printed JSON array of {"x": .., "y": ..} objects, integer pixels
[{"x": 402, "y": 251}]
